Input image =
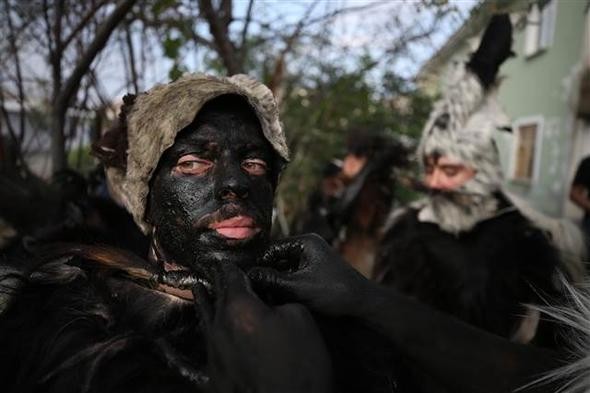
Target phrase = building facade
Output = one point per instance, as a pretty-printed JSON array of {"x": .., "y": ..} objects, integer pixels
[{"x": 541, "y": 91}]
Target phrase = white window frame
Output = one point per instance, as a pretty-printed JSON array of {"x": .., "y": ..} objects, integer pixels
[
  {"x": 539, "y": 121},
  {"x": 540, "y": 28}
]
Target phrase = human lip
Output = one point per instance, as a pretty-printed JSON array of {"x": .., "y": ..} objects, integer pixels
[{"x": 238, "y": 227}]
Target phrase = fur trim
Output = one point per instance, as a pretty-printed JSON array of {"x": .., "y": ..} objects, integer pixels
[
  {"x": 565, "y": 236},
  {"x": 575, "y": 316},
  {"x": 462, "y": 125},
  {"x": 159, "y": 114}
]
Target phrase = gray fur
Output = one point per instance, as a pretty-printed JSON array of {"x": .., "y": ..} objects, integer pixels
[
  {"x": 159, "y": 114},
  {"x": 474, "y": 115},
  {"x": 575, "y": 376}
]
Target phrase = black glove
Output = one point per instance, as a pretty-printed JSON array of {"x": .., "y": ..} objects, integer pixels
[
  {"x": 310, "y": 272},
  {"x": 252, "y": 347}
]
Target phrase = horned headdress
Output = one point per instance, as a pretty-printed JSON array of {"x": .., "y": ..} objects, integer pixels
[{"x": 463, "y": 122}]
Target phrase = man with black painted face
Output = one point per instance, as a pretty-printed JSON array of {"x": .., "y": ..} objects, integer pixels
[
  {"x": 211, "y": 196},
  {"x": 196, "y": 162}
]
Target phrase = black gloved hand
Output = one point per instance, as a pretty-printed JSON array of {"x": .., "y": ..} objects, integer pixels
[
  {"x": 313, "y": 274},
  {"x": 252, "y": 347}
]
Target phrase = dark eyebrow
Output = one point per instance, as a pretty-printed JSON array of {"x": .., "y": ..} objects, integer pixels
[
  {"x": 252, "y": 147},
  {"x": 451, "y": 166}
]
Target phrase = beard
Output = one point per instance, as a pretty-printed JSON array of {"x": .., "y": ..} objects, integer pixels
[{"x": 458, "y": 211}]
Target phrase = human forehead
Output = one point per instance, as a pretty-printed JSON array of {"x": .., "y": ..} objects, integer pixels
[
  {"x": 215, "y": 136},
  {"x": 442, "y": 160}
]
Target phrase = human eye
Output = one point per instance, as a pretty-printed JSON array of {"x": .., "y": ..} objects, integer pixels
[
  {"x": 451, "y": 170},
  {"x": 255, "y": 166},
  {"x": 191, "y": 164}
]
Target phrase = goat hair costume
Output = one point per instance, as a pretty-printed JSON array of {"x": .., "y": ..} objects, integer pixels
[
  {"x": 88, "y": 318},
  {"x": 470, "y": 252}
]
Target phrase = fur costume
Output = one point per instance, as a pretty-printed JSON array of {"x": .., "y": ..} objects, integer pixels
[
  {"x": 97, "y": 320},
  {"x": 574, "y": 314},
  {"x": 159, "y": 114},
  {"x": 78, "y": 329},
  {"x": 482, "y": 276},
  {"x": 462, "y": 126},
  {"x": 470, "y": 252}
]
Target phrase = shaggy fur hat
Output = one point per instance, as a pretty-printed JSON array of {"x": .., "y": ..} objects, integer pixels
[
  {"x": 154, "y": 119},
  {"x": 462, "y": 124}
]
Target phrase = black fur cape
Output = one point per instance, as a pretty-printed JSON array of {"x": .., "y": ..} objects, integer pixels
[
  {"x": 70, "y": 329},
  {"x": 483, "y": 276},
  {"x": 73, "y": 326}
]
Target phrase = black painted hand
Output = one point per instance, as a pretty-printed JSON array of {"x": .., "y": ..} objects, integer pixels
[
  {"x": 253, "y": 347},
  {"x": 307, "y": 270}
]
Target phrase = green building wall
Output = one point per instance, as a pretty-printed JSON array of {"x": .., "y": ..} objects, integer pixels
[{"x": 541, "y": 86}]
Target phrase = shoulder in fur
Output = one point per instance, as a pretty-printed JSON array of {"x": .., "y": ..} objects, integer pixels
[
  {"x": 574, "y": 317},
  {"x": 397, "y": 214}
]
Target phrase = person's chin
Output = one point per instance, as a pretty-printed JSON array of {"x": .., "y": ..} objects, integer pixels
[{"x": 242, "y": 250}]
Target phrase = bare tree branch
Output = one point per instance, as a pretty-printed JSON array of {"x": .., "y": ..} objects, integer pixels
[
  {"x": 71, "y": 85},
  {"x": 83, "y": 22},
  {"x": 17, "y": 144},
  {"x": 278, "y": 73},
  {"x": 131, "y": 54},
  {"x": 243, "y": 45},
  {"x": 342, "y": 11},
  {"x": 19, "y": 76},
  {"x": 218, "y": 27},
  {"x": 181, "y": 25}
]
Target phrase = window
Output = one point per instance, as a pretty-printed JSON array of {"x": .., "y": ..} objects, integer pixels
[
  {"x": 540, "y": 27},
  {"x": 526, "y": 150}
]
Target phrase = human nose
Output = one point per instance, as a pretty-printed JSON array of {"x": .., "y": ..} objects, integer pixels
[
  {"x": 231, "y": 182},
  {"x": 435, "y": 180}
]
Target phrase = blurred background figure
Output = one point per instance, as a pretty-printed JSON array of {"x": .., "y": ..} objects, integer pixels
[
  {"x": 579, "y": 193},
  {"x": 67, "y": 209},
  {"x": 350, "y": 205},
  {"x": 467, "y": 248}
]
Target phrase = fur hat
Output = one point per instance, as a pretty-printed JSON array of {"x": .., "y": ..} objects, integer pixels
[
  {"x": 463, "y": 122},
  {"x": 461, "y": 126},
  {"x": 156, "y": 116}
]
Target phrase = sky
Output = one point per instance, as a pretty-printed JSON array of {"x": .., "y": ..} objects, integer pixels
[{"x": 352, "y": 33}]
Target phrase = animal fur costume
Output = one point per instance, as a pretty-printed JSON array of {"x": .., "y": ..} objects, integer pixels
[
  {"x": 574, "y": 316},
  {"x": 462, "y": 126},
  {"x": 471, "y": 253},
  {"x": 95, "y": 319}
]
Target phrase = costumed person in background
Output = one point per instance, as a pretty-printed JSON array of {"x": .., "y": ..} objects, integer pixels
[
  {"x": 355, "y": 196},
  {"x": 580, "y": 194},
  {"x": 318, "y": 216},
  {"x": 457, "y": 269},
  {"x": 468, "y": 249},
  {"x": 196, "y": 162}
]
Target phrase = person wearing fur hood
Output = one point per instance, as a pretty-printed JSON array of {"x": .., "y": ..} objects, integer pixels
[
  {"x": 196, "y": 162},
  {"x": 467, "y": 248}
]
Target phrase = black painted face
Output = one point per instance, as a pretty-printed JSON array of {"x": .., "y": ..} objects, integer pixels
[{"x": 211, "y": 195}]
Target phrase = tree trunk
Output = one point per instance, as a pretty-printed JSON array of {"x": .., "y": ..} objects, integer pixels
[
  {"x": 70, "y": 87},
  {"x": 58, "y": 141}
]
